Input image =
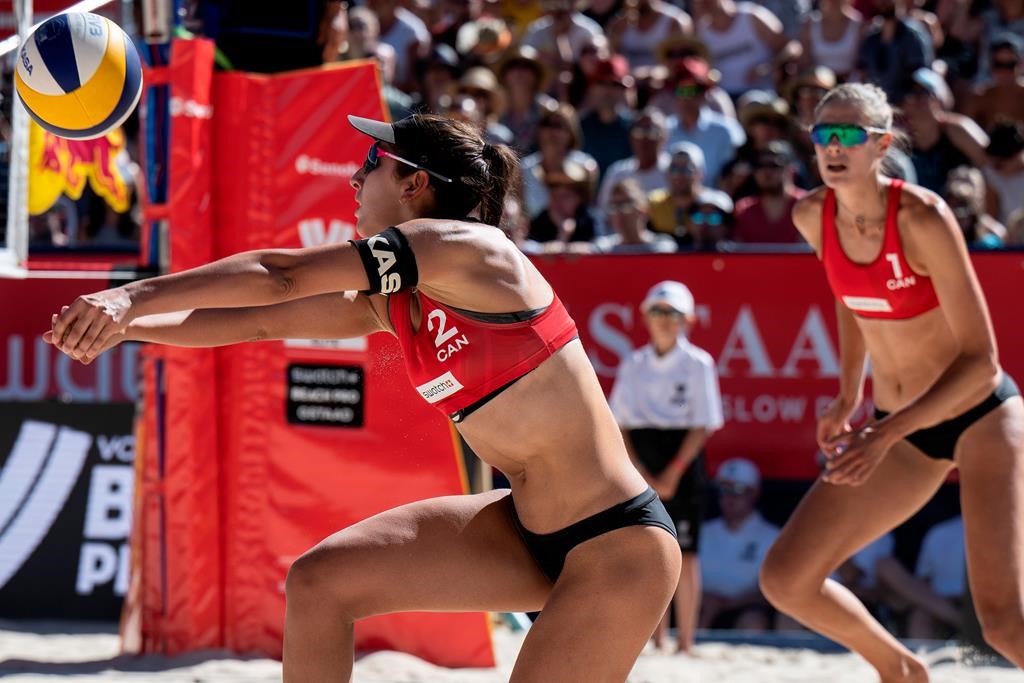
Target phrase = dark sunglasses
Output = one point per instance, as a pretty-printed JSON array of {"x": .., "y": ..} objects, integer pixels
[
  {"x": 683, "y": 169},
  {"x": 712, "y": 218},
  {"x": 771, "y": 164},
  {"x": 689, "y": 91},
  {"x": 374, "y": 154},
  {"x": 663, "y": 312},
  {"x": 846, "y": 134},
  {"x": 1004, "y": 66}
]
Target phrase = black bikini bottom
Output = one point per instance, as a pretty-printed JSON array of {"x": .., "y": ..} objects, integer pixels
[
  {"x": 939, "y": 441},
  {"x": 550, "y": 550}
]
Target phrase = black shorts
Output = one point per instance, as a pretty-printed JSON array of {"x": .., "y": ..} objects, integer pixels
[
  {"x": 939, "y": 442},
  {"x": 656, "y": 448},
  {"x": 550, "y": 550}
]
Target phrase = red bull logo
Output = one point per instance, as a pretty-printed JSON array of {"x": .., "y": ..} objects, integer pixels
[{"x": 60, "y": 166}]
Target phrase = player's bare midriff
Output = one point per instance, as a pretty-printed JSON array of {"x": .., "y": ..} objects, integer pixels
[
  {"x": 908, "y": 356},
  {"x": 554, "y": 437}
]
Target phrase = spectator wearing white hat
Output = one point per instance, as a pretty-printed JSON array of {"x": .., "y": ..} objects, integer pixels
[
  {"x": 733, "y": 548},
  {"x": 667, "y": 403}
]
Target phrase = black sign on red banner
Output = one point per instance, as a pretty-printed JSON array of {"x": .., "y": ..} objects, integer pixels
[
  {"x": 325, "y": 395},
  {"x": 66, "y": 478}
]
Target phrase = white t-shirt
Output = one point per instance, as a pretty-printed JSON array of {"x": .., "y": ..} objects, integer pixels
[
  {"x": 730, "y": 560},
  {"x": 676, "y": 391},
  {"x": 942, "y": 560}
]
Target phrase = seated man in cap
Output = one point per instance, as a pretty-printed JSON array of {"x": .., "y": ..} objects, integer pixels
[
  {"x": 732, "y": 549},
  {"x": 680, "y": 210}
]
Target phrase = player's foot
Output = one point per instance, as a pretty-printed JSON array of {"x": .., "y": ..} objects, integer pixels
[{"x": 911, "y": 670}]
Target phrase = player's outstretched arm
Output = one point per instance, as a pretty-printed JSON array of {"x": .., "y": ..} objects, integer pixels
[{"x": 326, "y": 316}]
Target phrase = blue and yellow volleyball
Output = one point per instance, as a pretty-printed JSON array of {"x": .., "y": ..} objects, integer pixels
[{"x": 79, "y": 75}]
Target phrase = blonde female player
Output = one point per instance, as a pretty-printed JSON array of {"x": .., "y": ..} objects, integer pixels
[
  {"x": 908, "y": 297},
  {"x": 581, "y": 536}
]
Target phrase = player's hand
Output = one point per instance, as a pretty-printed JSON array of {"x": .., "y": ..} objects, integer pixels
[
  {"x": 111, "y": 342},
  {"x": 834, "y": 422},
  {"x": 857, "y": 454},
  {"x": 83, "y": 329}
]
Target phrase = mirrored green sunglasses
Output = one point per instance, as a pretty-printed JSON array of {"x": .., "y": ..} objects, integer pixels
[{"x": 846, "y": 134}]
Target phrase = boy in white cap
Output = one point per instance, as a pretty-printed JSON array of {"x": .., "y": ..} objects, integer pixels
[
  {"x": 667, "y": 403},
  {"x": 734, "y": 547}
]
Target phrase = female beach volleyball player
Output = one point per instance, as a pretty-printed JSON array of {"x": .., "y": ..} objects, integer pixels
[
  {"x": 908, "y": 297},
  {"x": 581, "y": 536}
]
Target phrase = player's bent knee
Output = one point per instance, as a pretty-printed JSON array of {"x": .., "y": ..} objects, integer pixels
[
  {"x": 1003, "y": 629},
  {"x": 779, "y": 580},
  {"x": 321, "y": 577}
]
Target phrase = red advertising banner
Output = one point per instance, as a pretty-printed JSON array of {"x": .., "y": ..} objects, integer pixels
[
  {"x": 32, "y": 370},
  {"x": 313, "y": 436},
  {"x": 769, "y": 321}
]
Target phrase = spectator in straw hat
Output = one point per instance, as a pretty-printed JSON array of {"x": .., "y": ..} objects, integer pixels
[
  {"x": 693, "y": 121},
  {"x": 482, "y": 42},
  {"x": 482, "y": 86},
  {"x": 567, "y": 219},
  {"x": 606, "y": 123},
  {"x": 524, "y": 77}
]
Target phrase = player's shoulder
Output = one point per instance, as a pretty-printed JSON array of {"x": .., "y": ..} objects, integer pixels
[
  {"x": 809, "y": 206},
  {"x": 920, "y": 203}
]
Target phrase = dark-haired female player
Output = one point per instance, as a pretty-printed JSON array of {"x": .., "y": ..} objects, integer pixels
[
  {"x": 581, "y": 535},
  {"x": 907, "y": 296}
]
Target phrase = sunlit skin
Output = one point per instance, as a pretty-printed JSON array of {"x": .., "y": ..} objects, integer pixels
[
  {"x": 925, "y": 370},
  {"x": 551, "y": 433}
]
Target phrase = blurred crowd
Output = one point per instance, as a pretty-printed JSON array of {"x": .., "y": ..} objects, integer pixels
[
  {"x": 650, "y": 126},
  {"x": 646, "y": 126}
]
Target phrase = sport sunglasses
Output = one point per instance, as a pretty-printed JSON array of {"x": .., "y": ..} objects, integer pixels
[
  {"x": 374, "y": 154},
  {"x": 847, "y": 134}
]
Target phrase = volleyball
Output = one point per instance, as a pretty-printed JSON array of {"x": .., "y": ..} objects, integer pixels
[{"x": 79, "y": 75}]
